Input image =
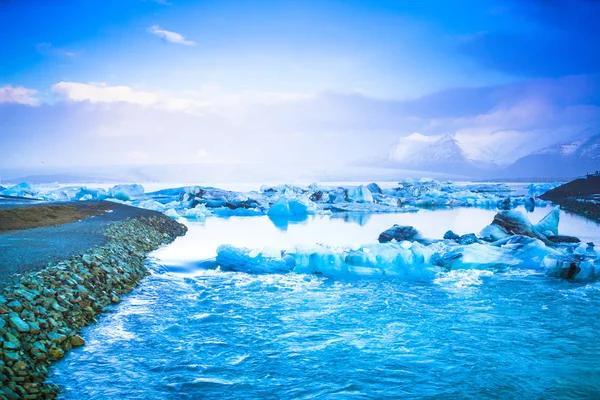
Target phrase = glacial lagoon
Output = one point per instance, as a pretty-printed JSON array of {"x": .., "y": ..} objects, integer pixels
[{"x": 194, "y": 331}]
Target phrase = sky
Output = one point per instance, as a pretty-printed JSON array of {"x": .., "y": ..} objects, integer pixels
[{"x": 135, "y": 82}]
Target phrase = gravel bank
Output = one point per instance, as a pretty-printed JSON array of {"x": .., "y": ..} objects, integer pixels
[{"x": 42, "y": 312}]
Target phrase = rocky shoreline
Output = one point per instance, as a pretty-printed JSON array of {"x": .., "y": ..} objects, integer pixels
[
  {"x": 581, "y": 196},
  {"x": 43, "y": 311}
]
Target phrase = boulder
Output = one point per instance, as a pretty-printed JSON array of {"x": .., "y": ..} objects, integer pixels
[
  {"x": 449, "y": 235},
  {"x": 563, "y": 239},
  {"x": 467, "y": 239},
  {"x": 399, "y": 233}
]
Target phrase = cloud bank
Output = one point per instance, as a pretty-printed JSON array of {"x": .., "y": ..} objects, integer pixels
[{"x": 99, "y": 124}]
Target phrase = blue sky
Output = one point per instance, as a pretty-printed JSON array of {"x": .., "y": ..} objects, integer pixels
[{"x": 244, "y": 69}]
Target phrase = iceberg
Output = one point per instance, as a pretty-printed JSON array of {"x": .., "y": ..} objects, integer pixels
[
  {"x": 172, "y": 213},
  {"x": 537, "y": 189},
  {"x": 550, "y": 222},
  {"x": 407, "y": 260},
  {"x": 22, "y": 189},
  {"x": 291, "y": 207},
  {"x": 230, "y": 258},
  {"x": 198, "y": 213},
  {"x": 359, "y": 194},
  {"x": 151, "y": 205},
  {"x": 126, "y": 192}
]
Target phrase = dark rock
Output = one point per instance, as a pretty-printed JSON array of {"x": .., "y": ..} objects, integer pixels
[
  {"x": 316, "y": 196},
  {"x": 467, "y": 239},
  {"x": 514, "y": 223},
  {"x": 563, "y": 239},
  {"x": 570, "y": 272},
  {"x": 451, "y": 236},
  {"x": 399, "y": 233}
]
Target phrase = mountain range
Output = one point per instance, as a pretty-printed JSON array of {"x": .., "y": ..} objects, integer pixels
[{"x": 448, "y": 154}]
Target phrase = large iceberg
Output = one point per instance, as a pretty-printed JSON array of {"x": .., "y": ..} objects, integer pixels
[
  {"x": 407, "y": 260},
  {"x": 22, "y": 189},
  {"x": 291, "y": 207},
  {"x": 126, "y": 192},
  {"x": 411, "y": 260},
  {"x": 511, "y": 241}
]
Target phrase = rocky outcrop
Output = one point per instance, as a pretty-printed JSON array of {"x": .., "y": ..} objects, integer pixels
[
  {"x": 581, "y": 196},
  {"x": 42, "y": 312},
  {"x": 399, "y": 233}
]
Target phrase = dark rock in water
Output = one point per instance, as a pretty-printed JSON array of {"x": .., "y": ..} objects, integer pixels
[
  {"x": 581, "y": 196},
  {"x": 467, "y": 239},
  {"x": 451, "y": 236},
  {"x": 316, "y": 196},
  {"x": 446, "y": 259},
  {"x": 563, "y": 239},
  {"x": 590, "y": 246},
  {"x": 571, "y": 271},
  {"x": 505, "y": 204},
  {"x": 590, "y": 185},
  {"x": 514, "y": 223},
  {"x": 374, "y": 188},
  {"x": 399, "y": 233},
  {"x": 530, "y": 204}
]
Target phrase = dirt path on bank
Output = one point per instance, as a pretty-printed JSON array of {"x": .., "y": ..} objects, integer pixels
[{"x": 34, "y": 235}]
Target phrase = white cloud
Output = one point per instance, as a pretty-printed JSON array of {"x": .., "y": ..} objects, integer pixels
[
  {"x": 170, "y": 36},
  {"x": 207, "y": 98},
  {"x": 101, "y": 93},
  {"x": 18, "y": 94}
]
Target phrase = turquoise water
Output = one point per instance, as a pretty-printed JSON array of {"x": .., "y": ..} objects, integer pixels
[{"x": 189, "y": 332}]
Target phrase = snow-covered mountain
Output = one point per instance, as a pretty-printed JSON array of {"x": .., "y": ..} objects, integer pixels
[
  {"x": 503, "y": 154},
  {"x": 566, "y": 160},
  {"x": 431, "y": 153}
]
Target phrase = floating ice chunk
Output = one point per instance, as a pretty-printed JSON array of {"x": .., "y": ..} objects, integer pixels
[
  {"x": 23, "y": 189},
  {"x": 549, "y": 222},
  {"x": 291, "y": 207},
  {"x": 536, "y": 189},
  {"x": 231, "y": 258},
  {"x": 172, "y": 213},
  {"x": 75, "y": 193},
  {"x": 151, "y": 205},
  {"x": 127, "y": 192},
  {"x": 198, "y": 213},
  {"x": 359, "y": 194},
  {"x": 567, "y": 267}
]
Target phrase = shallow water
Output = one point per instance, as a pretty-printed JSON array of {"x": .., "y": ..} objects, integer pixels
[{"x": 189, "y": 332}]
